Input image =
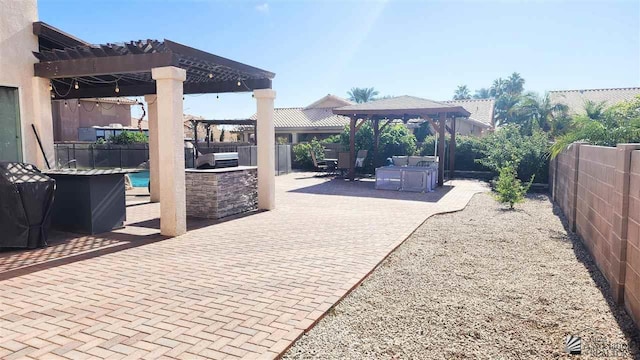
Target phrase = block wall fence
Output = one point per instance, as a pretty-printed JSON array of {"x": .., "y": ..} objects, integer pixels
[{"x": 598, "y": 190}]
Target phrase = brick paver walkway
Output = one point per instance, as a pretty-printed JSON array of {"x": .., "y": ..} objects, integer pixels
[{"x": 242, "y": 288}]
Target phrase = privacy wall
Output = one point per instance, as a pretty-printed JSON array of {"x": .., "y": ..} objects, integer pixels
[{"x": 598, "y": 190}]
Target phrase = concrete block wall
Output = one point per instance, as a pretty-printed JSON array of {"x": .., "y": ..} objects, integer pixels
[
  {"x": 594, "y": 208},
  {"x": 632, "y": 274},
  {"x": 598, "y": 190}
]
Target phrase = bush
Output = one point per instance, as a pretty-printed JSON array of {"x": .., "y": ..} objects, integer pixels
[
  {"x": 302, "y": 153},
  {"x": 528, "y": 155},
  {"x": 468, "y": 150},
  {"x": 333, "y": 139},
  {"x": 129, "y": 137},
  {"x": 509, "y": 188}
]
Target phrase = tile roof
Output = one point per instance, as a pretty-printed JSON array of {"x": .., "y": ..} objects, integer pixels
[
  {"x": 576, "y": 99},
  {"x": 481, "y": 109},
  {"x": 286, "y": 118},
  {"x": 329, "y": 101},
  {"x": 397, "y": 103}
]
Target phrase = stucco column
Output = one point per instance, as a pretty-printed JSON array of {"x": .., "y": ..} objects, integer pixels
[
  {"x": 173, "y": 214},
  {"x": 266, "y": 149},
  {"x": 154, "y": 147},
  {"x": 294, "y": 137}
]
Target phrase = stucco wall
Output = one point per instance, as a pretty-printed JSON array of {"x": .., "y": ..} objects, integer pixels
[
  {"x": 16, "y": 70},
  {"x": 67, "y": 119}
]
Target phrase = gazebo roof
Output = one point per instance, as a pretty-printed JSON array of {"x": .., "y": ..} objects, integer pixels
[
  {"x": 401, "y": 107},
  {"x": 100, "y": 69}
]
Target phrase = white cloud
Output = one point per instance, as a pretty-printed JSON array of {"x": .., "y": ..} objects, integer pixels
[{"x": 263, "y": 8}]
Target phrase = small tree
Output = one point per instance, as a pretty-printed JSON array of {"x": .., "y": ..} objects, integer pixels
[{"x": 509, "y": 188}]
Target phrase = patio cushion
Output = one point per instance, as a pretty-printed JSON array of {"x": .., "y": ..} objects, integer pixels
[{"x": 400, "y": 160}]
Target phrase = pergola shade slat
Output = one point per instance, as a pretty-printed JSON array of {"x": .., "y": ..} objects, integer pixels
[{"x": 70, "y": 60}]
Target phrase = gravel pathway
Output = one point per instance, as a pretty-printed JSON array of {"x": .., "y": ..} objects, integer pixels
[{"x": 480, "y": 283}]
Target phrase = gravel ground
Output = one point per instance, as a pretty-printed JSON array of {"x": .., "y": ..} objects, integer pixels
[{"x": 480, "y": 283}]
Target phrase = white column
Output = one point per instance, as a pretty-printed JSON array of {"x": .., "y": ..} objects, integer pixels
[
  {"x": 294, "y": 138},
  {"x": 154, "y": 147},
  {"x": 266, "y": 149},
  {"x": 173, "y": 214}
]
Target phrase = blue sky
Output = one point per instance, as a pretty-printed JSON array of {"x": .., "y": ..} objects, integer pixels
[{"x": 420, "y": 48}]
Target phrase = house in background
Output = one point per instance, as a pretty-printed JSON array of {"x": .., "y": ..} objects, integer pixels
[
  {"x": 576, "y": 99},
  {"x": 300, "y": 124},
  {"x": 88, "y": 119},
  {"x": 481, "y": 119}
]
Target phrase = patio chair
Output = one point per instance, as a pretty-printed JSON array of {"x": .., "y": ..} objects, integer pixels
[
  {"x": 320, "y": 166},
  {"x": 343, "y": 162}
]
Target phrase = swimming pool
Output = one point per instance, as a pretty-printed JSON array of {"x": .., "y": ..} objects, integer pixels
[{"x": 140, "y": 179}]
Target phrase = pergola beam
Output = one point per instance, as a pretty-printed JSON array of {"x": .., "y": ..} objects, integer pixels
[
  {"x": 108, "y": 65},
  {"x": 150, "y": 88}
]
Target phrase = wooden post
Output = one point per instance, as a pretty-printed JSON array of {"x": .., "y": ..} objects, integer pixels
[
  {"x": 442, "y": 119},
  {"x": 352, "y": 148},
  {"x": 195, "y": 134},
  {"x": 376, "y": 140},
  {"x": 452, "y": 149}
]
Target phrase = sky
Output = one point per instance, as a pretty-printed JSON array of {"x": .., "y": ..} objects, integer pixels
[{"x": 419, "y": 48}]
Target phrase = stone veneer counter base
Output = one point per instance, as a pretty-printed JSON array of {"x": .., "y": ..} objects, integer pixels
[{"x": 217, "y": 193}]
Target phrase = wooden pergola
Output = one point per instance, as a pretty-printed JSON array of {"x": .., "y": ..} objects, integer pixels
[
  {"x": 404, "y": 108},
  {"x": 162, "y": 72}
]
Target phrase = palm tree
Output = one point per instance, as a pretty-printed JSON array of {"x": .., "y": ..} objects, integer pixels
[
  {"x": 498, "y": 88},
  {"x": 547, "y": 115},
  {"x": 595, "y": 110},
  {"x": 462, "y": 93},
  {"x": 362, "y": 95},
  {"x": 507, "y": 110},
  {"x": 514, "y": 84},
  {"x": 482, "y": 93}
]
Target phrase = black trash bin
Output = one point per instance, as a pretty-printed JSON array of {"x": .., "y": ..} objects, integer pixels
[{"x": 26, "y": 198}]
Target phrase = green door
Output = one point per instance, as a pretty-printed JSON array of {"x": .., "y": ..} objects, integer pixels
[{"x": 10, "y": 138}]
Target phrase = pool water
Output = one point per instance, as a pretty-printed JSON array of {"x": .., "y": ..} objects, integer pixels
[{"x": 140, "y": 179}]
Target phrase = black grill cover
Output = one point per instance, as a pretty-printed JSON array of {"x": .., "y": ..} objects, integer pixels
[{"x": 26, "y": 198}]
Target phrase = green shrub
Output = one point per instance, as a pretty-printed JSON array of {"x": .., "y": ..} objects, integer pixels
[
  {"x": 129, "y": 137},
  {"x": 468, "y": 150},
  {"x": 509, "y": 189},
  {"x": 302, "y": 153},
  {"x": 333, "y": 139},
  {"x": 528, "y": 155}
]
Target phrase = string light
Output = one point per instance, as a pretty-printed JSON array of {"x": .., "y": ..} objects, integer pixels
[
  {"x": 117, "y": 88},
  {"x": 210, "y": 76},
  {"x": 239, "y": 82},
  {"x": 50, "y": 86},
  {"x": 53, "y": 96},
  {"x": 78, "y": 103},
  {"x": 97, "y": 104},
  {"x": 217, "y": 96},
  {"x": 66, "y": 104},
  {"x": 76, "y": 86}
]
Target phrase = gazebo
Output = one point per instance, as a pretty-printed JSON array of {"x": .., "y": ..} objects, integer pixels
[
  {"x": 162, "y": 72},
  {"x": 441, "y": 116}
]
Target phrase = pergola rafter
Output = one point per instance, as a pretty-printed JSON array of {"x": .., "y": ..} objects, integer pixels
[{"x": 97, "y": 69}]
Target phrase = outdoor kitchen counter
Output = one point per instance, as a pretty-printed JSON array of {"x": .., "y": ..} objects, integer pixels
[{"x": 217, "y": 193}]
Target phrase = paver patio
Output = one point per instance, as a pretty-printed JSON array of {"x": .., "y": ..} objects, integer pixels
[{"x": 241, "y": 288}]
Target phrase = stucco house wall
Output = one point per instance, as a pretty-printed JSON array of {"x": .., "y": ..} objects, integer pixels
[
  {"x": 17, "y": 42},
  {"x": 68, "y": 117}
]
